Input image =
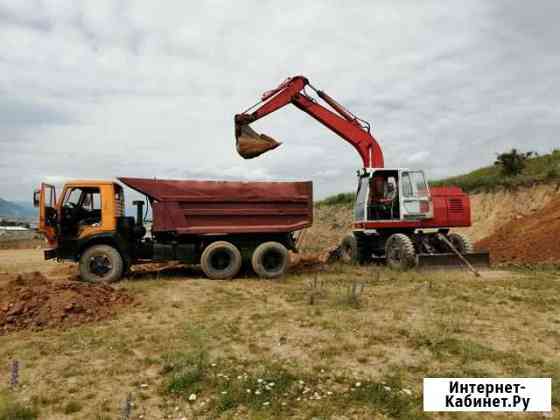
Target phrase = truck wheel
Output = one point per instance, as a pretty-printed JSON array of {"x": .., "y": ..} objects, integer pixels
[
  {"x": 461, "y": 243},
  {"x": 349, "y": 249},
  {"x": 399, "y": 252},
  {"x": 221, "y": 260},
  {"x": 101, "y": 263},
  {"x": 270, "y": 260}
]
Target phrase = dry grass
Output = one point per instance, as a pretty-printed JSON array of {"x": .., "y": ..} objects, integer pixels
[{"x": 217, "y": 339}]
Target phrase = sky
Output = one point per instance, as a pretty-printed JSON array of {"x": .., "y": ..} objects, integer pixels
[{"x": 100, "y": 89}]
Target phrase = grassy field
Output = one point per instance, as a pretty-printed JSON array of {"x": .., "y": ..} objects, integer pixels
[{"x": 304, "y": 347}]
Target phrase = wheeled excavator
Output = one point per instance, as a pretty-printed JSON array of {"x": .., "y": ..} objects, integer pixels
[{"x": 398, "y": 217}]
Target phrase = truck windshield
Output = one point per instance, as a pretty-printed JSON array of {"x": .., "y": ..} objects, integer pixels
[{"x": 414, "y": 184}]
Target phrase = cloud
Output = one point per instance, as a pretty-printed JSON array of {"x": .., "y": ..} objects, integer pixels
[{"x": 99, "y": 89}]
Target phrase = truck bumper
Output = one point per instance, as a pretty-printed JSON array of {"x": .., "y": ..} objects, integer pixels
[{"x": 50, "y": 253}]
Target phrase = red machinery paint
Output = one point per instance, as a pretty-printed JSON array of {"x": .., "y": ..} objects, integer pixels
[{"x": 451, "y": 209}]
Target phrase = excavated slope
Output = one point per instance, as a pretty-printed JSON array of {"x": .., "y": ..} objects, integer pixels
[
  {"x": 529, "y": 239},
  {"x": 491, "y": 210}
]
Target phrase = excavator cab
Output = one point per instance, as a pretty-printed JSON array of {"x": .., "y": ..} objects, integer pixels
[{"x": 392, "y": 195}]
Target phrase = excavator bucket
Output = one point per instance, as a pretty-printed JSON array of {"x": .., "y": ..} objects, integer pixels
[{"x": 251, "y": 144}]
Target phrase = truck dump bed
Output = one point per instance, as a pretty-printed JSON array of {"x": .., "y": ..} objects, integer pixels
[{"x": 222, "y": 207}]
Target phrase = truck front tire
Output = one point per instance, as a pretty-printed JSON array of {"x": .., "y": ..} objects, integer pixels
[
  {"x": 101, "y": 263},
  {"x": 221, "y": 260},
  {"x": 270, "y": 260}
]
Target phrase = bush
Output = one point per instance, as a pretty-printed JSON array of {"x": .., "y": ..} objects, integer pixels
[
  {"x": 512, "y": 163},
  {"x": 552, "y": 173}
]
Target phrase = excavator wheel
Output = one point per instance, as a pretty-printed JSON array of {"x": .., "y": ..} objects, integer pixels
[
  {"x": 461, "y": 243},
  {"x": 349, "y": 249},
  {"x": 400, "y": 252},
  {"x": 354, "y": 249}
]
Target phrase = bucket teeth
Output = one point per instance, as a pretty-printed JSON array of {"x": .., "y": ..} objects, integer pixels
[{"x": 250, "y": 144}]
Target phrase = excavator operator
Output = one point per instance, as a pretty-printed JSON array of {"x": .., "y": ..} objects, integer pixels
[{"x": 384, "y": 199}]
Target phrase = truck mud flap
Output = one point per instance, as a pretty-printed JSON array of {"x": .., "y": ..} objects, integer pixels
[{"x": 430, "y": 261}]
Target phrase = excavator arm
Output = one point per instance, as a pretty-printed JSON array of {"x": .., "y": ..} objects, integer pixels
[{"x": 352, "y": 129}]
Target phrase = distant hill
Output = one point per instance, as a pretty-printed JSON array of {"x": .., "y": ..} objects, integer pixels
[
  {"x": 539, "y": 170},
  {"x": 17, "y": 210}
]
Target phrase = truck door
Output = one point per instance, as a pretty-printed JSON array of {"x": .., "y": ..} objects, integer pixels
[
  {"x": 416, "y": 202},
  {"x": 45, "y": 199}
]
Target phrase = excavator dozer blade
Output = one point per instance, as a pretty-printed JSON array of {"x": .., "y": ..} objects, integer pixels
[
  {"x": 251, "y": 144},
  {"x": 434, "y": 261}
]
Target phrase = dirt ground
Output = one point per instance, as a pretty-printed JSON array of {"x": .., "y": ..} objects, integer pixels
[
  {"x": 335, "y": 341},
  {"x": 33, "y": 301},
  {"x": 529, "y": 239},
  {"x": 308, "y": 334}
]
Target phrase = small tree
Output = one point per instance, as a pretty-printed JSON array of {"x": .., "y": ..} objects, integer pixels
[{"x": 513, "y": 162}]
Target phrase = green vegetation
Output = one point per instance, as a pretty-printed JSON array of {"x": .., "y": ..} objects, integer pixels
[
  {"x": 72, "y": 407},
  {"x": 11, "y": 409},
  {"x": 338, "y": 199},
  {"x": 512, "y": 163},
  {"x": 186, "y": 372},
  {"x": 532, "y": 170}
]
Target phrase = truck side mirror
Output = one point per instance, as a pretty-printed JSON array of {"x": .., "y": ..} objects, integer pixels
[{"x": 36, "y": 195}]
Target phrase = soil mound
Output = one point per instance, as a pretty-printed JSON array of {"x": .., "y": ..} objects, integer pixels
[
  {"x": 313, "y": 261},
  {"x": 527, "y": 239},
  {"x": 33, "y": 301}
]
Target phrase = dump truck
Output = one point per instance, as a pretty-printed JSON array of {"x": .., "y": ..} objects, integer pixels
[
  {"x": 218, "y": 224},
  {"x": 398, "y": 218}
]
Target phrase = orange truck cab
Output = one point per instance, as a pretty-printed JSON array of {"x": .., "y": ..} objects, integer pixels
[{"x": 87, "y": 213}]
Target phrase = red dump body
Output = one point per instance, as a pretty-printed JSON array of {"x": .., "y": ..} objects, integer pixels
[{"x": 222, "y": 207}]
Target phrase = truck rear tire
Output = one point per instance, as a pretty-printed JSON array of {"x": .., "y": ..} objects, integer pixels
[
  {"x": 221, "y": 260},
  {"x": 270, "y": 260},
  {"x": 101, "y": 263},
  {"x": 399, "y": 252}
]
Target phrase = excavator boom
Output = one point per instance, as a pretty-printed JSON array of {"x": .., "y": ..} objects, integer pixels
[{"x": 338, "y": 119}]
